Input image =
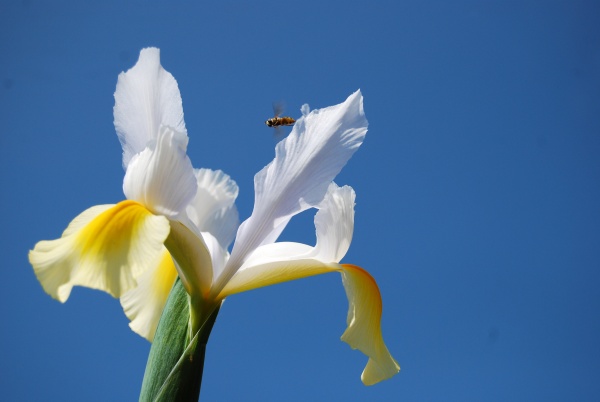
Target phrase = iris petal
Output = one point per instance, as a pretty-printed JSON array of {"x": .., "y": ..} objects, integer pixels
[
  {"x": 162, "y": 177},
  {"x": 305, "y": 163},
  {"x": 268, "y": 267},
  {"x": 144, "y": 304},
  {"x": 146, "y": 97},
  {"x": 334, "y": 223},
  {"x": 105, "y": 248},
  {"x": 364, "y": 324},
  {"x": 275, "y": 263},
  {"x": 280, "y": 262},
  {"x": 192, "y": 258},
  {"x": 213, "y": 208}
]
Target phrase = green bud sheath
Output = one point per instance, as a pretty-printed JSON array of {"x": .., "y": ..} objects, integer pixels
[{"x": 175, "y": 364}]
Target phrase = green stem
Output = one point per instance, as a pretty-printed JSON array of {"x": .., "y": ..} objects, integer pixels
[{"x": 176, "y": 362}]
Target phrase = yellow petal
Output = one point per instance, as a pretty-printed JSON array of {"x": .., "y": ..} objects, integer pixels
[
  {"x": 144, "y": 304},
  {"x": 106, "y": 247},
  {"x": 364, "y": 324}
]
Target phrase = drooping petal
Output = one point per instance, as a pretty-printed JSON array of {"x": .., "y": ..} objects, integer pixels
[
  {"x": 364, "y": 311},
  {"x": 272, "y": 264},
  {"x": 364, "y": 324},
  {"x": 146, "y": 97},
  {"x": 213, "y": 208},
  {"x": 106, "y": 247},
  {"x": 161, "y": 177},
  {"x": 305, "y": 163},
  {"x": 144, "y": 304}
]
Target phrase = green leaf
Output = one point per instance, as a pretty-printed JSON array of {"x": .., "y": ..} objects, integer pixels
[{"x": 175, "y": 364}]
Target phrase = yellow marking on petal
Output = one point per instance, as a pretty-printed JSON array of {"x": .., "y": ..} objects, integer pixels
[
  {"x": 165, "y": 276},
  {"x": 105, "y": 248},
  {"x": 113, "y": 230},
  {"x": 364, "y": 324}
]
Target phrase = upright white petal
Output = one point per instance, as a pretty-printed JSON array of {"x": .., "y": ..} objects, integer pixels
[
  {"x": 213, "y": 208},
  {"x": 335, "y": 224},
  {"x": 146, "y": 97},
  {"x": 161, "y": 177},
  {"x": 305, "y": 163}
]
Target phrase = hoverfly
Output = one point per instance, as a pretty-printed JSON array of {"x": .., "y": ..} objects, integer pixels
[{"x": 278, "y": 122}]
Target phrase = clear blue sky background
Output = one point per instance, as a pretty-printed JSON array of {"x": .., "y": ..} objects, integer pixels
[{"x": 478, "y": 202}]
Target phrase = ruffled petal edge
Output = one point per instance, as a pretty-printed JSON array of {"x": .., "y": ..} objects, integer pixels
[{"x": 106, "y": 247}]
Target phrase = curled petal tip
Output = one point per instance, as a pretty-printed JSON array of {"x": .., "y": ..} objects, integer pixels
[{"x": 364, "y": 324}]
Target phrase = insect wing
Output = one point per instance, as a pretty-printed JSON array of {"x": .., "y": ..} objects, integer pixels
[
  {"x": 278, "y": 108},
  {"x": 278, "y": 132}
]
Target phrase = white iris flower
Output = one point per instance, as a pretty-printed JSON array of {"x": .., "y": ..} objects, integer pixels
[{"x": 178, "y": 221}]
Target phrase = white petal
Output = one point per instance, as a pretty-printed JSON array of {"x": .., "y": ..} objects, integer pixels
[
  {"x": 146, "y": 97},
  {"x": 218, "y": 253},
  {"x": 335, "y": 224},
  {"x": 213, "y": 208},
  {"x": 162, "y": 177},
  {"x": 280, "y": 262},
  {"x": 105, "y": 248},
  {"x": 305, "y": 163},
  {"x": 144, "y": 304}
]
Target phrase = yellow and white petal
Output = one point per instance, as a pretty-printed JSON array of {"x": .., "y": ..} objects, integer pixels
[
  {"x": 162, "y": 177},
  {"x": 144, "y": 304},
  {"x": 213, "y": 208},
  {"x": 364, "y": 324},
  {"x": 305, "y": 163},
  {"x": 270, "y": 264},
  {"x": 275, "y": 263},
  {"x": 106, "y": 247},
  {"x": 146, "y": 97}
]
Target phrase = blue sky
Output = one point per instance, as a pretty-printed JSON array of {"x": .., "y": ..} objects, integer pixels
[{"x": 477, "y": 191}]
